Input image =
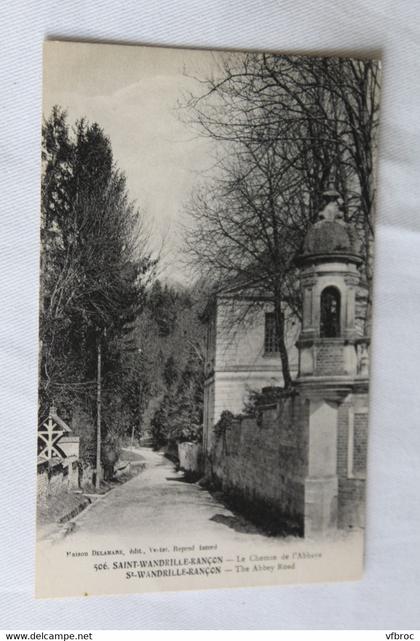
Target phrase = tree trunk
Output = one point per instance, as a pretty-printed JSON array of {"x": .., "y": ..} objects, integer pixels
[{"x": 280, "y": 329}]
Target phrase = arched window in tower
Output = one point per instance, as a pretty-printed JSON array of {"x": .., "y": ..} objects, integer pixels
[{"x": 330, "y": 313}]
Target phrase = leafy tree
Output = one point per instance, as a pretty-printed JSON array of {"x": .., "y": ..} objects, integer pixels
[
  {"x": 94, "y": 272},
  {"x": 162, "y": 303},
  {"x": 161, "y": 421},
  {"x": 187, "y": 413},
  {"x": 180, "y": 415},
  {"x": 170, "y": 372},
  {"x": 179, "y": 378}
]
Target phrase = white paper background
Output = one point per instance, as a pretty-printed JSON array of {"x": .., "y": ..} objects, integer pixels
[{"x": 389, "y": 595}]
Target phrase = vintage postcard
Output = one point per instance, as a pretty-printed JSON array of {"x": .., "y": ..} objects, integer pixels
[{"x": 207, "y": 229}]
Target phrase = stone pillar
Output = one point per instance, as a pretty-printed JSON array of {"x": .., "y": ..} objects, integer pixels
[
  {"x": 328, "y": 362},
  {"x": 321, "y": 483}
]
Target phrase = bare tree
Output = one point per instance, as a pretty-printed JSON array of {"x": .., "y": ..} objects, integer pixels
[
  {"x": 286, "y": 128},
  {"x": 237, "y": 237}
]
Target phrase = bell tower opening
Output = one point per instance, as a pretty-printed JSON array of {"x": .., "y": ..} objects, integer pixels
[{"x": 330, "y": 313}]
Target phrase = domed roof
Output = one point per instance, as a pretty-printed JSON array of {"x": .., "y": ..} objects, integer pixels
[{"x": 331, "y": 236}]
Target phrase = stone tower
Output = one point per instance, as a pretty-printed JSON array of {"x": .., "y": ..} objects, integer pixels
[{"x": 333, "y": 366}]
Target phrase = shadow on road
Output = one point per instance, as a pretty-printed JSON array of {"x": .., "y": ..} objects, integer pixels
[
  {"x": 236, "y": 523},
  {"x": 180, "y": 479},
  {"x": 187, "y": 477}
]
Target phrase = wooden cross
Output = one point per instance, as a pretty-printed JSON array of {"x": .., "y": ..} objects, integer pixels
[{"x": 49, "y": 433}]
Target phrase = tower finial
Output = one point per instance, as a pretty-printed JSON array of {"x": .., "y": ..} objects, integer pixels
[{"x": 331, "y": 211}]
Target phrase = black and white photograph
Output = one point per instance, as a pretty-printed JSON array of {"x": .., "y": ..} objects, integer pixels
[{"x": 206, "y": 301}]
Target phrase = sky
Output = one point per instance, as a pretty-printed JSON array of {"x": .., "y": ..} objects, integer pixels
[{"x": 133, "y": 93}]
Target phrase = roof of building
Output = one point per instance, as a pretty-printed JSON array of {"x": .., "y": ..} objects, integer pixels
[{"x": 239, "y": 287}]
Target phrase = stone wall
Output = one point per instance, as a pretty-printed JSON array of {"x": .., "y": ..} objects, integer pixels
[
  {"x": 272, "y": 464},
  {"x": 261, "y": 462},
  {"x": 236, "y": 362},
  {"x": 352, "y": 460},
  {"x": 55, "y": 476},
  {"x": 351, "y": 503},
  {"x": 189, "y": 455},
  {"x": 329, "y": 358}
]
